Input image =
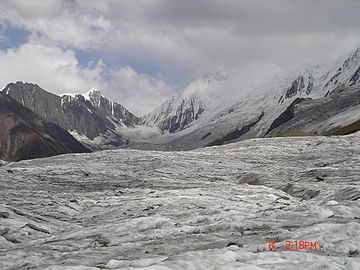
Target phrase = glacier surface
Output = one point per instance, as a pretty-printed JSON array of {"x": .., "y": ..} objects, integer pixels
[{"x": 212, "y": 208}]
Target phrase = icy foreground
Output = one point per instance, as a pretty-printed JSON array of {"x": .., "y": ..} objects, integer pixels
[{"x": 129, "y": 209}]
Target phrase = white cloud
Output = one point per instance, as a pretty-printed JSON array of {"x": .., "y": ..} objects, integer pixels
[
  {"x": 254, "y": 37},
  {"x": 51, "y": 67},
  {"x": 57, "y": 70},
  {"x": 57, "y": 21},
  {"x": 196, "y": 35},
  {"x": 140, "y": 92},
  {"x": 29, "y": 9}
]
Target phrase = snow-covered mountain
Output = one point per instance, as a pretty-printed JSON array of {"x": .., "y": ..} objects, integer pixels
[
  {"x": 212, "y": 110},
  {"x": 91, "y": 118},
  {"x": 195, "y": 118},
  {"x": 343, "y": 73},
  {"x": 117, "y": 112},
  {"x": 320, "y": 81},
  {"x": 180, "y": 111}
]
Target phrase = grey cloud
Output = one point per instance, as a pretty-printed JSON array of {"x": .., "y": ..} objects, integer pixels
[
  {"x": 196, "y": 35},
  {"x": 257, "y": 16}
]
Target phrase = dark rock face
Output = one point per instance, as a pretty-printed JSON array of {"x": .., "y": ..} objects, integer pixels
[
  {"x": 299, "y": 86},
  {"x": 309, "y": 87},
  {"x": 237, "y": 133},
  {"x": 118, "y": 113},
  {"x": 295, "y": 87},
  {"x": 77, "y": 114},
  {"x": 91, "y": 117},
  {"x": 25, "y": 135},
  {"x": 302, "y": 84},
  {"x": 184, "y": 116},
  {"x": 324, "y": 116},
  {"x": 355, "y": 78},
  {"x": 287, "y": 115},
  {"x": 350, "y": 66},
  {"x": 334, "y": 79}
]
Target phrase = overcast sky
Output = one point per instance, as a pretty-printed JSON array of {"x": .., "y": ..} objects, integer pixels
[{"x": 139, "y": 52}]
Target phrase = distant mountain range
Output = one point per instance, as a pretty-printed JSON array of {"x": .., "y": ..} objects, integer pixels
[
  {"x": 318, "y": 100},
  {"x": 87, "y": 117},
  {"x": 197, "y": 121},
  {"x": 26, "y": 135}
]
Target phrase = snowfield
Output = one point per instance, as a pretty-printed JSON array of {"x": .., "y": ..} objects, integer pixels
[{"x": 212, "y": 208}]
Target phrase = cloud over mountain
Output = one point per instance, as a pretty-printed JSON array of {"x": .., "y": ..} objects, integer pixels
[{"x": 165, "y": 44}]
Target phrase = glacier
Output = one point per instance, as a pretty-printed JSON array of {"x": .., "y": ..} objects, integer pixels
[{"x": 210, "y": 208}]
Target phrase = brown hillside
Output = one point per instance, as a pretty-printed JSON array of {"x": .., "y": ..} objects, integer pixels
[
  {"x": 348, "y": 129},
  {"x": 295, "y": 133}
]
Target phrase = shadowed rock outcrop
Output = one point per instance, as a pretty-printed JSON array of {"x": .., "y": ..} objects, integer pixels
[
  {"x": 236, "y": 133},
  {"x": 26, "y": 135},
  {"x": 336, "y": 114},
  {"x": 287, "y": 115}
]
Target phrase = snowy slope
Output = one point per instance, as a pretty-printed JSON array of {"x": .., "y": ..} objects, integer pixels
[
  {"x": 343, "y": 73},
  {"x": 182, "y": 110},
  {"x": 223, "y": 120}
]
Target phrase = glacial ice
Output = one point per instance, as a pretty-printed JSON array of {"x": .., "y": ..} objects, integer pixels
[{"x": 212, "y": 208}]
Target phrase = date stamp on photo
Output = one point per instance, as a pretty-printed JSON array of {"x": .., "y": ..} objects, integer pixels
[{"x": 293, "y": 245}]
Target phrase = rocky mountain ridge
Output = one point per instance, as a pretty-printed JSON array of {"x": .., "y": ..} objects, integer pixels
[
  {"x": 85, "y": 116},
  {"x": 180, "y": 111},
  {"x": 225, "y": 123},
  {"x": 199, "y": 116},
  {"x": 324, "y": 116},
  {"x": 26, "y": 135}
]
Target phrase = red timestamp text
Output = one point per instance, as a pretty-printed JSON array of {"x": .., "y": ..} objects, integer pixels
[{"x": 294, "y": 245}]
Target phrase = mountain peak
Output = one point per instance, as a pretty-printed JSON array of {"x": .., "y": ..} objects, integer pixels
[
  {"x": 92, "y": 93},
  {"x": 21, "y": 86},
  {"x": 22, "y": 83},
  {"x": 26, "y": 135}
]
